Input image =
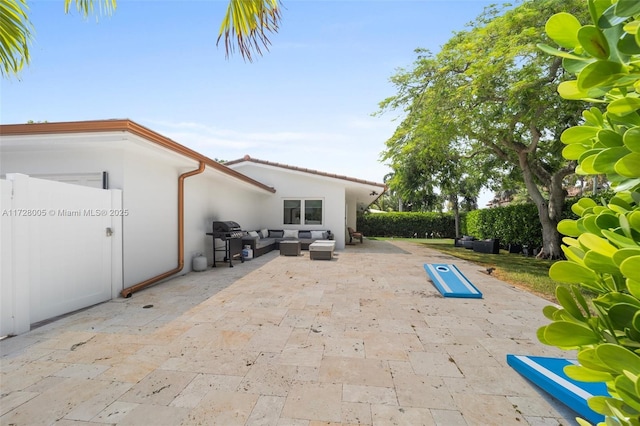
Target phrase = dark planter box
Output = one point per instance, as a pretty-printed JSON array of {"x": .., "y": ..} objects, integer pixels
[
  {"x": 487, "y": 246},
  {"x": 515, "y": 248}
]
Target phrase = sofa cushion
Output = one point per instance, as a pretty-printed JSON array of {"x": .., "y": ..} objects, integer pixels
[
  {"x": 275, "y": 233},
  {"x": 290, "y": 233},
  {"x": 319, "y": 235},
  {"x": 265, "y": 242},
  {"x": 302, "y": 235},
  {"x": 264, "y": 232},
  {"x": 254, "y": 234}
]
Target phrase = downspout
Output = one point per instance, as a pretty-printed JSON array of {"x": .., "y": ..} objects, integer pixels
[{"x": 128, "y": 291}]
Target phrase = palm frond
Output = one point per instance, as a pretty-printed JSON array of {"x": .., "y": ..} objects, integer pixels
[
  {"x": 15, "y": 36},
  {"x": 86, "y": 6},
  {"x": 246, "y": 25}
]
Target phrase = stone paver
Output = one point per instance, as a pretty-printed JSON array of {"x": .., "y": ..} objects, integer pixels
[{"x": 363, "y": 339}]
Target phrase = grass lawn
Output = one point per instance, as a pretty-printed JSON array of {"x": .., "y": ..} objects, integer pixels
[{"x": 528, "y": 273}]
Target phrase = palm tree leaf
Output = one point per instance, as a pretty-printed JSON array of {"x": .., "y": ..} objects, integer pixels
[
  {"x": 246, "y": 24},
  {"x": 15, "y": 36}
]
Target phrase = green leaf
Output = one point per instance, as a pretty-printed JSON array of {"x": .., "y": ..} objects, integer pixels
[
  {"x": 597, "y": 244},
  {"x": 565, "y": 298},
  {"x": 562, "y": 53},
  {"x": 630, "y": 267},
  {"x": 620, "y": 200},
  {"x": 568, "y": 227},
  {"x": 563, "y": 29},
  {"x": 600, "y": 263},
  {"x": 581, "y": 205},
  {"x": 628, "y": 45},
  {"x": 569, "y": 272},
  {"x": 570, "y": 334},
  {"x": 588, "y": 359},
  {"x": 627, "y": 8},
  {"x": 631, "y": 139},
  {"x": 622, "y": 314},
  {"x": 634, "y": 220},
  {"x": 606, "y": 160},
  {"x": 619, "y": 240},
  {"x": 629, "y": 165},
  {"x": 590, "y": 225},
  {"x": 622, "y": 254},
  {"x": 574, "y": 254},
  {"x": 634, "y": 287},
  {"x": 586, "y": 165},
  {"x": 608, "y": 19},
  {"x": 593, "y": 116},
  {"x": 540, "y": 335},
  {"x": 574, "y": 66},
  {"x": 624, "y": 106},
  {"x": 549, "y": 311},
  {"x": 603, "y": 405},
  {"x": 579, "y": 134},
  {"x": 577, "y": 372},
  {"x": 609, "y": 138},
  {"x": 618, "y": 358},
  {"x": 573, "y": 151},
  {"x": 599, "y": 74},
  {"x": 577, "y": 294},
  {"x": 607, "y": 221},
  {"x": 626, "y": 389},
  {"x": 593, "y": 41}
]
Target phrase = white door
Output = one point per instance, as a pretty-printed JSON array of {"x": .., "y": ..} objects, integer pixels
[{"x": 61, "y": 249}]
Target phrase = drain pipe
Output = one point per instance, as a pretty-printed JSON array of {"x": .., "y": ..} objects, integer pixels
[{"x": 128, "y": 291}]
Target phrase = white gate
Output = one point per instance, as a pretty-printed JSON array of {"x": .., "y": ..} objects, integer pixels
[{"x": 58, "y": 241}]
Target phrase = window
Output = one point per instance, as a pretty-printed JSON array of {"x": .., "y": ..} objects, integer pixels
[
  {"x": 293, "y": 212},
  {"x": 313, "y": 212}
]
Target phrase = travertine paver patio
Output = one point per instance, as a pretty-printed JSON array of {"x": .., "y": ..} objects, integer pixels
[{"x": 361, "y": 339}]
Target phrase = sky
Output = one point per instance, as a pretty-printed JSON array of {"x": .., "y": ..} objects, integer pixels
[{"x": 308, "y": 101}]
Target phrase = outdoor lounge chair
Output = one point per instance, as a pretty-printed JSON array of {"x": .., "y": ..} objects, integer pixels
[{"x": 355, "y": 234}]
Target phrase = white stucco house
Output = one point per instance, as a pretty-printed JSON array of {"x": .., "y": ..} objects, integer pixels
[{"x": 162, "y": 197}]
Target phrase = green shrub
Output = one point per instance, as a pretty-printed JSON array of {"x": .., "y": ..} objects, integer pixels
[
  {"x": 602, "y": 245},
  {"x": 406, "y": 224}
]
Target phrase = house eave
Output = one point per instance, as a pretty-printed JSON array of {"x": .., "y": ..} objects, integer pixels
[{"x": 125, "y": 125}]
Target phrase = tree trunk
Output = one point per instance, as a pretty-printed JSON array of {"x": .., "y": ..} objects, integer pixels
[
  {"x": 549, "y": 211},
  {"x": 456, "y": 214}
]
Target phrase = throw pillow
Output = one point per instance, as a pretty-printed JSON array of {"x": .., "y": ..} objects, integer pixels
[
  {"x": 254, "y": 234},
  {"x": 317, "y": 235},
  {"x": 265, "y": 233},
  {"x": 275, "y": 234},
  {"x": 290, "y": 233}
]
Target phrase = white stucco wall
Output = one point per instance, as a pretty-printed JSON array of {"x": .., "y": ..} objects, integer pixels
[
  {"x": 148, "y": 177},
  {"x": 211, "y": 196},
  {"x": 294, "y": 184}
]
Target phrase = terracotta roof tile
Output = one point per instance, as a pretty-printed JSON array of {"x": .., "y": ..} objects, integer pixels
[{"x": 247, "y": 158}]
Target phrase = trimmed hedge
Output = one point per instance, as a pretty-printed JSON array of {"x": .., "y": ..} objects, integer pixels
[
  {"x": 514, "y": 224},
  {"x": 406, "y": 224}
]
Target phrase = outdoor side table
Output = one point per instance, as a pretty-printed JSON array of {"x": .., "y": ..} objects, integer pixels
[
  {"x": 322, "y": 250},
  {"x": 290, "y": 248}
]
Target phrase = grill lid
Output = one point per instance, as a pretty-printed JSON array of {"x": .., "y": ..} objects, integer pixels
[{"x": 225, "y": 227}]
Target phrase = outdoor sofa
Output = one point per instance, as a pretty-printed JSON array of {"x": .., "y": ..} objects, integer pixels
[{"x": 264, "y": 240}]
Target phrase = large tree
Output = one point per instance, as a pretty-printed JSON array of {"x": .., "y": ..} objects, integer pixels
[
  {"x": 490, "y": 95},
  {"x": 245, "y": 26}
]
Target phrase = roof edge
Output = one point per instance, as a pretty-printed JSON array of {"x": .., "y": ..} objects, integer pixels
[
  {"x": 247, "y": 158},
  {"x": 124, "y": 125}
]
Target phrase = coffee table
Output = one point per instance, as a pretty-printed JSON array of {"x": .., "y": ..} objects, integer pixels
[{"x": 290, "y": 248}]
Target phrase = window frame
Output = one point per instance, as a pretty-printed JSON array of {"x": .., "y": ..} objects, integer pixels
[{"x": 302, "y": 219}]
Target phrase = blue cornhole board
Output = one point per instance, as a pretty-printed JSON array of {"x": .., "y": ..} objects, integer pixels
[
  {"x": 450, "y": 282},
  {"x": 548, "y": 373}
]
